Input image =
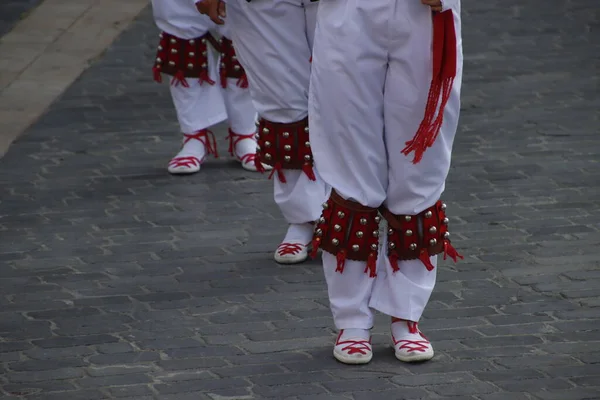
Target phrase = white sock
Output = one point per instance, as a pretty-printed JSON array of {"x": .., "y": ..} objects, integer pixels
[
  {"x": 299, "y": 233},
  {"x": 245, "y": 146},
  {"x": 354, "y": 333},
  {"x": 400, "y": 329},
  {"x": 193, "y": 148}
]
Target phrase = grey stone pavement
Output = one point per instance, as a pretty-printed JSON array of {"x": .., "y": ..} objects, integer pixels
[
  {"x": 120, "y": 281},
  {"x": 11, "y": 11}
]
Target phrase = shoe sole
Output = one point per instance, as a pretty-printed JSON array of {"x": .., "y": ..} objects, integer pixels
[
  {"x": 183, "y": 172},
  {"x": 351, "y": 361},
  {"x": 417, "y": 358},
  {"x": 288, "y": 261},
  {"x": 252, "y": 167}
]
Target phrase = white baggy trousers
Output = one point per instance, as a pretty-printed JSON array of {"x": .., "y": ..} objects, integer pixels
[
  {"x": 273, "y": 40},
  {"x": 371, "y": 73},
  {"x": 202, "y": 105}
]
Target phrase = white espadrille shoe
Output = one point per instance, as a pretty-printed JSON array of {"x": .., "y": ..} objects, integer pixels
[
  {"x": 410, "y": 345},
  {"x": 352, "y": 350}
]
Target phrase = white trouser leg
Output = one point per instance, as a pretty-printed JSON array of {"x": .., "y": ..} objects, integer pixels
[
  {"x": 238, "y": 102},
  {"x": 346, "y": 104},
  {"x": 403, "y": 294},
  {"x": 270, "y": 38},
  {"x": 310, "y": 16},
  {"x": 300, "y": 199},
  {"x": 361, "y": 114},
  {"x": 349, "y": 293},
  {"x": 272, "y": 43},
  {"x": 345, "y": 108},
  {"x": 240, "y": 109},
  {"x": 414, "y": 187},
  {"x": 199, "y": 106}
]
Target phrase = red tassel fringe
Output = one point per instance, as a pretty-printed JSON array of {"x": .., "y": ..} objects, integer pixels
[
  {"x": 308, "y": 170},
  {"x": 394, "y": 262},
  {"x": 450, "y": 251},
  {"x": 223, "y": 74},
  {"x": 371, "y": 267},
  {"x": 426, "y": 260},
  {"x": 277, "y": 168},
  {"x": 316, "y": 242},
  {"x": 157, "y": 74},
  {"x": 341, "y": 261},
  {"x": 242, "y": 82},
  {"x": 179, "y": 78},
  {"x": 205, "y": 78},
  {"x": 444, "y": 72}
]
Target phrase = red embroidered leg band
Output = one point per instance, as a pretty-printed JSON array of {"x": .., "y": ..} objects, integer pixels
[
  {"x": 230, "y": 66},
  {"x": 182, "y": 59},
  {"x": 349, "y": 231},
  {"x": 284, "y": 146},
  {"x": 421, "y": 236}
]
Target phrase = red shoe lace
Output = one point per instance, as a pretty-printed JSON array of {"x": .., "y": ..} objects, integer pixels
[
  {"x": 185, "y": 162},
  {"x": 289, "y": 248},
  {"x": 354, "y": 346},
  {"x": 207, "y": 138},
  {"x": 234, "y": 139},
  {"x": 412, "y": 345}
]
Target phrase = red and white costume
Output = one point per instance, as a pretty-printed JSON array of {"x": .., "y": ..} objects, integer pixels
[
  {"x": 208, "y": 85},
  {"x": 384, "y": 108},
  {"x": 273, "y": 39}
]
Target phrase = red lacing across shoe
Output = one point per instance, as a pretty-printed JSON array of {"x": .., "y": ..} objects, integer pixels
[
  {"x": 354, "y": 346},
  {"x": 289, "y": 248},
  {"x": 234, "y": 139},
  {"x": 412, "y": 345},
  {"x": 187, "y": 162},
  {"x": 207, "y": 138}
]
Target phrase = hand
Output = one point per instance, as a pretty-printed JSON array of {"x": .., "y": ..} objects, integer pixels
[
  {"x": 436, "y": 5},
  {"x": 215, "y": 9}
]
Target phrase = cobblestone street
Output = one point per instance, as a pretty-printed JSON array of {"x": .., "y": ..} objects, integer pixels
[{"x": 119, "y": 281}]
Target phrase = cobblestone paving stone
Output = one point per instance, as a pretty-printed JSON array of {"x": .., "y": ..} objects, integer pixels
[
  {"x": 120, "y": 281},
  {"x": 12, "y": 11}
]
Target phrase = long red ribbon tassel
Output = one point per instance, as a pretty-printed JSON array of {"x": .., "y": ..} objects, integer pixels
[{"x": 444, "y": 72}]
